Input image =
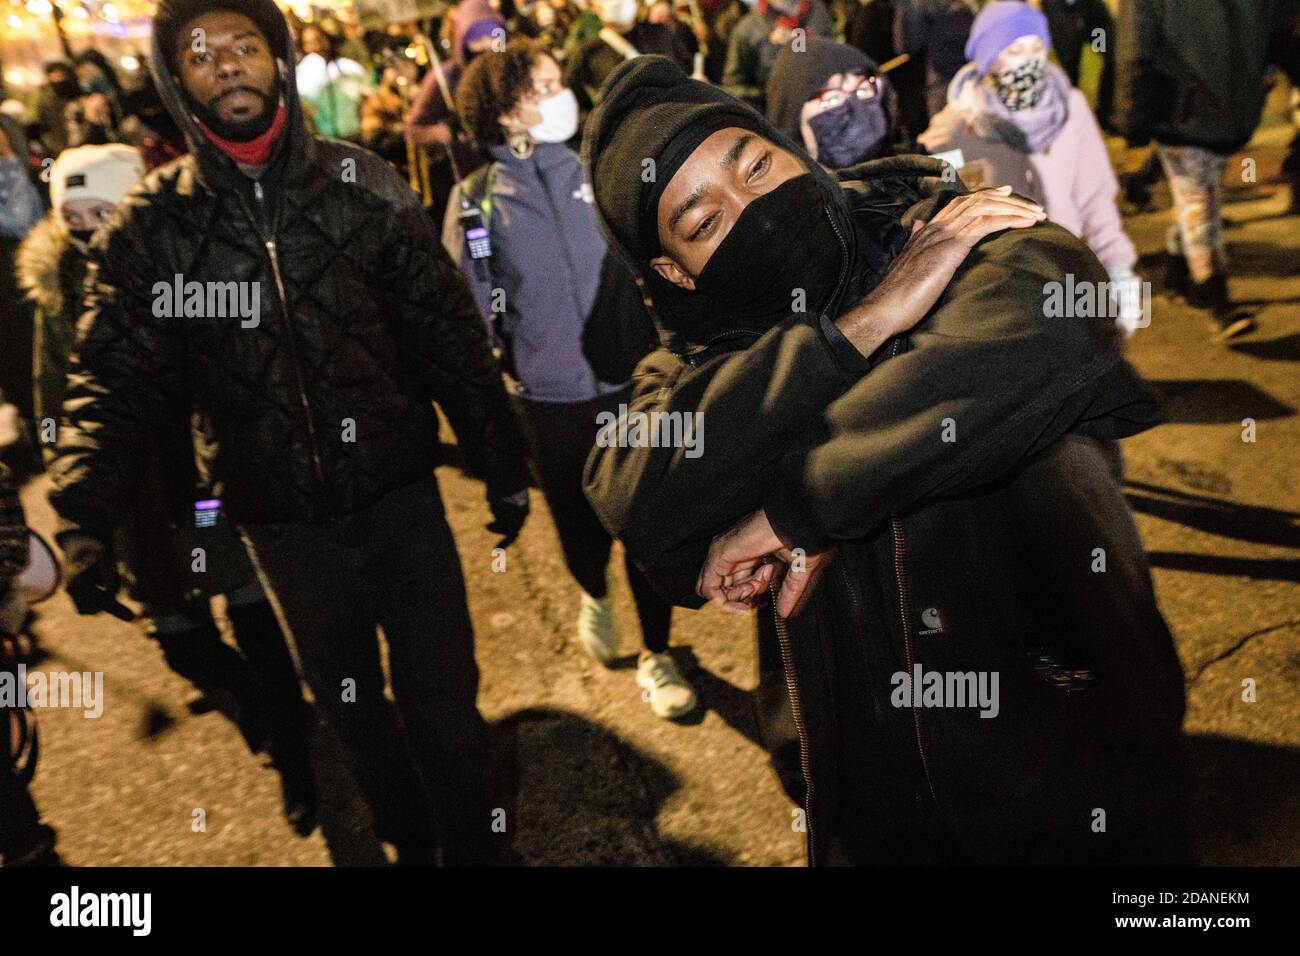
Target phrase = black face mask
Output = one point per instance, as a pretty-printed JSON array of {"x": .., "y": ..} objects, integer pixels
[
  {"x": 852, "y": 132},
  {"x": 245, "y": 130},
  {"x": 782, "y": 255},
  {"x": 82, "y": 235}
]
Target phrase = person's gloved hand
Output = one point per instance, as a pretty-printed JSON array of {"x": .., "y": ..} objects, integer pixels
[
  {"x": 92, "y": 580},
  {"x": 509, "y": 512},
  {"x": 1130, "y": 311}
]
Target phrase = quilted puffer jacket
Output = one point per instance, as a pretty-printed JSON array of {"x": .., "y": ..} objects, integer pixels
[{"x": 324, "y": 404}]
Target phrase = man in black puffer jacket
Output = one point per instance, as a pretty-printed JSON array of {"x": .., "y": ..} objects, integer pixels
[{"x": 318, "y": 322}]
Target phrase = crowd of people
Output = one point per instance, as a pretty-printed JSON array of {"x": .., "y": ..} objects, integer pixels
[{"x": 412, "y": 210}]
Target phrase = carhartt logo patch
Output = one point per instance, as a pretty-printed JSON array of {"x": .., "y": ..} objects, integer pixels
[{"x": 931, "y": 621}]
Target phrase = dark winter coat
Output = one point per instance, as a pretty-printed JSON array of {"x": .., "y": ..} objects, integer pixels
[
  {"x": 51, "y": 272},
  {"x": 937, "y": 31},
  {"x": 1191, "y": 72},
  {"x": 325, "y": 405},
  {"x": 982, "y": 554},
  {"x": 751, "y": 52}
]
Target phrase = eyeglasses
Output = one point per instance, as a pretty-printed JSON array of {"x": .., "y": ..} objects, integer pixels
[{"x": 868, "y": 88}]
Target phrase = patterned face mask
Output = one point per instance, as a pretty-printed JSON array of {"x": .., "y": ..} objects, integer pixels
[{"x": 1022, "y": 86}]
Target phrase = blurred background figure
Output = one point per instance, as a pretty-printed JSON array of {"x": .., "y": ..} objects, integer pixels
[
  {"x": 475, "y": 28},
  {"x": 934, "y": 31},
  {"x": 148, "y": 126},
  {"x": 47, "y": 107},
  {"x": 332, "y": 86},
  {"x": 259, "y": 688},
  {"x": 1286, "y": 56},
  {"x": 1079, "y": 25},
  {"x": 676, "y": 16},
  {"x": 20, "y": 209},
  {"x": 834, "y": 100},
  {"x": 24, "y": 839},
  {"x": 869, "y": 27},
  {"x": 573, "y": 327},
  {"x": 1194, "y": 82},
  {"x": 1019, "y": 122},
  {"x": 383, "y": 113},
  {"x": 761, "y": 34},
  {"x": 621, "y": 37}
]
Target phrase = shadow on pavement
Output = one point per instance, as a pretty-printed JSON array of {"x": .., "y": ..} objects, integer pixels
[
  {"x": 1285, "y": 349},
  {"x": 1216, "y": 401},
  {"x": 575, "y": 794},
  {"x": 1227, "y": 519},
  {"x": 1245, "y": 802}
]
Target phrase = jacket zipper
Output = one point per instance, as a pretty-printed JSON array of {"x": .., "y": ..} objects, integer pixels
[
  {"x": 904, "y": 611},
  {"x": 293, "y": 338},
  {"x": 783, "y": 638},
  {"x": 904, "y": 603},
  {"x": 796, "y": 710}
]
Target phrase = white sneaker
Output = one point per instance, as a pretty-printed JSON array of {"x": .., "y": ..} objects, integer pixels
[
  {"x": 664, "y": 687},
  {"x": 597, "y": 629}
]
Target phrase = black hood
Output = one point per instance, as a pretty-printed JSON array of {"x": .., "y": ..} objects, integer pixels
[
  {"x": 796, "y": 77},
  {"x": 214, "y": 166},
  {"x": 653, "y": 81}
]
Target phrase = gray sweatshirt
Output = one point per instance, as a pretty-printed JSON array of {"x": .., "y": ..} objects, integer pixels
[{"x": 546, "y": 261}]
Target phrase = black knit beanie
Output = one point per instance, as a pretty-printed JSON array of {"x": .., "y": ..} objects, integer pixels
[
  {"x": 651, "y": 110},
  {"x": 173, "y": 15}
]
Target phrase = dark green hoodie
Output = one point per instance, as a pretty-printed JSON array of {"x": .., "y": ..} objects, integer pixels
[{"x": 965, "y": 476}]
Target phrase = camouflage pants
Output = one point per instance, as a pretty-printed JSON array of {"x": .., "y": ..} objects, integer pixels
[{"x": 1195, "y": 179}]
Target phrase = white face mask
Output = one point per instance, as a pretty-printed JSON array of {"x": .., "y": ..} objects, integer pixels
[{"x": 559, "y": 118}]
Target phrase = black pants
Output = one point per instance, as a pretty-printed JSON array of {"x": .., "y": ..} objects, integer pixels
[
  {"x": 393, "y": 565},
  {"x": 19, "y": 819},
  {"x": 560, "y": 436}
]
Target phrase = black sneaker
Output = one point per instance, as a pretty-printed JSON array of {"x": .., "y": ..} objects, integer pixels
[{"x": 1177, "y": 280}]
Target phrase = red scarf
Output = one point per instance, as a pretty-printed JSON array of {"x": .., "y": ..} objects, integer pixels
[
  {"x": 255, "y": 152},
  {"x": 782, "y": 20}
]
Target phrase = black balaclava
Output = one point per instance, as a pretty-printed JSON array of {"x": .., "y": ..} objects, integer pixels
[{"x": 782, "y": 256}]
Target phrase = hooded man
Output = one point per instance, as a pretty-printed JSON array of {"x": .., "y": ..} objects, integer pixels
[
  {"x": 981, "y": 673},
  {"x": 292, "y": 292}
]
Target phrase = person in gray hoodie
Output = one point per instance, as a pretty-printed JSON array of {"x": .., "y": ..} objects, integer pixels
[{"x": 553, "y": 296}]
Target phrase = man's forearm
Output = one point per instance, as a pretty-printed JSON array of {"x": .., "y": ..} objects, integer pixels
[{"x": 865, "y": 326}]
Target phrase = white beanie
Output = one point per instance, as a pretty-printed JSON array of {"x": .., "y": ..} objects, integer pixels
[{"x": 94, "y": 172}]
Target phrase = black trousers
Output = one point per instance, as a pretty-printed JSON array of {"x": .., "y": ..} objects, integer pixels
[
  {"x": 560, "y": 436},
  {"x": 393, "y": 565}
]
